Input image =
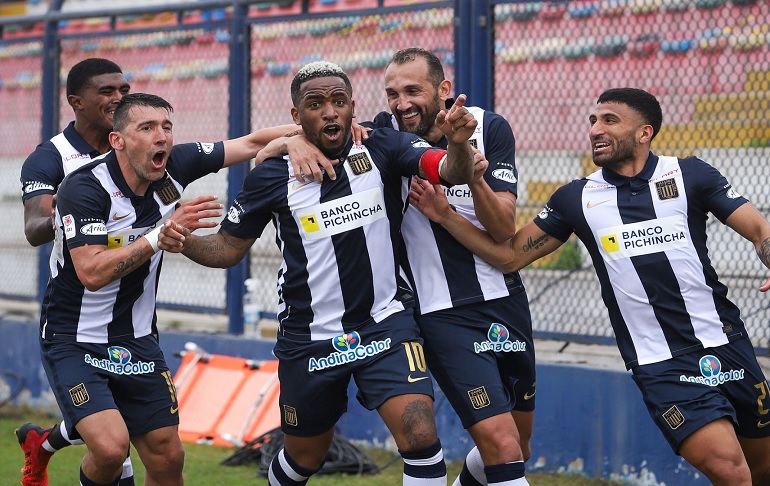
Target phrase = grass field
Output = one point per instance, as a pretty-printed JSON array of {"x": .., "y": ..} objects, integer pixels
[{"x": 203, "y": 468}]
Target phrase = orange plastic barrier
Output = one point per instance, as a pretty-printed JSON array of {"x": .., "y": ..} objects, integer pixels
[{"x": 224, "y": 400}]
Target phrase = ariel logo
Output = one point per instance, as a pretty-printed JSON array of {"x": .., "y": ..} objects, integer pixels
[
  {"x": 710, "y": 366},
  {"x": 497, "y": 333},
  {"x": 119, "y": 354},
  {"x": 346, "y": 342}
]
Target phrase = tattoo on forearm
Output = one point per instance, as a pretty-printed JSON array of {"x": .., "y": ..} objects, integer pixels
[
  {"x": 536, "y": 243},
  {"x": 127, "y": 265},
  {"x": 764, "y": 252}
]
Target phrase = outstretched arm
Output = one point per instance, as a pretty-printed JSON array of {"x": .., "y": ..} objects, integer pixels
[
  {"x": 245, "y": 148},
  {"x": 219, "y": 250},
  {"x": 529, "y": 243},
  {"x": 748, "y": 222}
]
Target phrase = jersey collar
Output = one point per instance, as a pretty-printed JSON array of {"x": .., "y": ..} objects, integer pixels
[
  {"x": 74, "y": 138},
  {"x": 618, "y": 180}
]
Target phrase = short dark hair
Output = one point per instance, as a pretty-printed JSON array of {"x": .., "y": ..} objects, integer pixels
[
  {"x": 313, "y": 70},
  {"x": 120, "y": 118},
  {"x": 435, "y": 69},
  {"x": 640, "y": 101},
  {"x": 81, "y": 73}
]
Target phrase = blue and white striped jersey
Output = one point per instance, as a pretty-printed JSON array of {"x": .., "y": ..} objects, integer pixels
[
  {"x": 45, "y": 168},
  {"x": 647, "y": 238},
  {"x": 444, "y": 273},
  {"x": 339, "y": 239},
  {"x": 94, "y": 206}
]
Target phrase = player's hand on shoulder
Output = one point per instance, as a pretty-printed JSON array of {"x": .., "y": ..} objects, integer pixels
[
  {"x": 480, "y": 164},
  {"x": 307, "y": 161}
]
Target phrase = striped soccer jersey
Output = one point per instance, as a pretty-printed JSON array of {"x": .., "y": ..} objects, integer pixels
[
  {"x": 444, "y": 273},
  {"x": 46, "y": 167},
  {"x": 339, "y": 239},
  {"x": 95, "y": 206},
  {"x": 647, "y": 238}
]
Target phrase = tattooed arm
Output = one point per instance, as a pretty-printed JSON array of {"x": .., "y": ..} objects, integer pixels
[
  {"x": 528, "y": 244},
  {"x": 219, "y": 250},
  {"x": 748, "y": 222}
]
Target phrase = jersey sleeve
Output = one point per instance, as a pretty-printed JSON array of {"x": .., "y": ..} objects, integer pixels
[
  {"x": 41, "y": 173},
  {"x": 191, "y": 161},
  {"x": 716, "y": 194},
  {"x": 82, "y": 206},
  {"x": 500, "y": 152},
  {"x": 555, "y": 217},
  {"x": 253, "y": 207},
  {"x": 402, "y": 150}
]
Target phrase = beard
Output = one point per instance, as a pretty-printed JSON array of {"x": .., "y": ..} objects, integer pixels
[
  {"x": 623, "y": 152},
  {"x": 427, "y": 118}
]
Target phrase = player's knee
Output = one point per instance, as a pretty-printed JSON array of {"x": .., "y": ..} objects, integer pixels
[
  {"x": 108, "y": 455},
  {"x": 167, "y": 464},
  {"x": 726, "y": 471},
  {"x": 419, "y": 426}
]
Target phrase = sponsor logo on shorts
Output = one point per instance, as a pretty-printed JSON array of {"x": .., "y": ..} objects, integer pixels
[
  {"x": 290, "y": 415},
  {"x": 479, "y": 397},
  {"x": 347, "y": 349},
  {"x": 79, "y": 395},
  {"x": 712, "y": 374},
  {"x": 120, "y": 362},
  {"x": 498, "y": 341},
  {"x": 673, "y": 417}
]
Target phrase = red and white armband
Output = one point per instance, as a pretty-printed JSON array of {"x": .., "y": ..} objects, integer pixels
[{"x": 431, "y": 162}]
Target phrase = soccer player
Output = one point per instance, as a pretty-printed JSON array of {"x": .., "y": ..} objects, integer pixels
[
  {"x": 474, "y": 318},
  {"x": 344, "y": 308},
  {"x": 94, "y": 88},
  {"x": 98, "y": 325},
  {"x": 642, "y": 218}
]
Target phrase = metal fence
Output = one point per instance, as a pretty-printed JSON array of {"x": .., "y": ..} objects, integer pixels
[{"x": 226, "y": 67}]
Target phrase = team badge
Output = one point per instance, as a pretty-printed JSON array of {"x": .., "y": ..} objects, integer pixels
[
  {"x": 360, "y": 163},
  {"x": 290, "y": 415},
  {"x": 667, "y": 189},
  {"x": 79, "y": 395},
  {"x": 167, "y": 191},
  {"x": 673, "y": 417},
  {"x": 479, "y": 397}
]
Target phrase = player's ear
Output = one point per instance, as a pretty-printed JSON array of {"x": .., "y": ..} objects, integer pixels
[
  {"x": 295, "y": 116},
  {"x": 116, "y": 141},
  {"x": 444, "y": 89}
]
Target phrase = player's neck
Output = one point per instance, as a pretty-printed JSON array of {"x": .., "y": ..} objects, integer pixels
[{"x": 96, "y": 137}]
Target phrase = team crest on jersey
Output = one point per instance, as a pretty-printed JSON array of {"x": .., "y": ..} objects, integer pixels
[
  {"x": 360, "y": 163},
  {"x": 479, "y": 397},
  {"x": 673, "y": 417},
  {"x": 667, "y": 189},
  {"x": 79, "y": 395},
  {"x": 167, "y": 191}
]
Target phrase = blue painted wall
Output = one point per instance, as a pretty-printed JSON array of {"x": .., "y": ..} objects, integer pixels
[{"x": 590, "y": 421}]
